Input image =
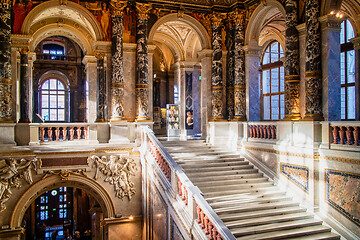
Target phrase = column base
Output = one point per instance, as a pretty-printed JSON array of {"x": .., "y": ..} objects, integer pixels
[
  {"x": 142, "y": 119},
  {"x": 6, "y": 120},
  {"x": 100, "y": 120},
  {"x": 239, "y": 119},
  {"x": 292, "y": 117},
  {"x": 217, "y": 119},
  {"x": 313, "y": 117},
  {"x": 24, "y": 121},
  {"x": 118, "y": 119}
]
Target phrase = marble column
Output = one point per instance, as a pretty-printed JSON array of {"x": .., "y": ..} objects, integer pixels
[
  {"x": 356, "y": 43},
  {"x": 101, "y": 89},
  {"x": 217, "y": 104},
  {"x": 292, "y": 63},
  {"x": 142, "y": 64},
  {"x": 25, "y": 113},
  {"x": 239, "y": 67},
  {"x": 230, "y": 62},
  {"x": 5, "y": 63},
  {"x": 117, "y": 80},
  {"x": 330, "y": 61},
  {"x": 313, "y": 81}
]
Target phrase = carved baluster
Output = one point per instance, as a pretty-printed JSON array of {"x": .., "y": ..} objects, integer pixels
[
  {"x": 78, "y": 133},
  {"x": 210, "y": 230},
  {"x": 218, "y": 236},
  {"x": 86, "y": 133},
  {"x": 180, "y": 189},
  {"x": 198, "y": 211},
  {"x": 42, "y": 134},
  {"x": 335, "y": 133},
  {"x": 257, "y": 135},
  {"x": 214, "y": 233},
  {"x": 71, "y": 131},
  {"x": 183, "y": 193},
  {"x": 57, "y": 133},
  {"x": 348, "y": 135},
  {"x": 206, "y": 220},
  {"x": 269, "y": 132},
  {"x": 342, "y": 135},
  {"x": 264, "y": 131},
  {"x": 273, "y": 132},
  {"x": 356, "y": 136},
  {"x": 254, "y": 131},
  {"x": 49, "y": 132},
  {"x": 64, "y": 132},
  {"x": 186, "y": 197},
  {"x": 202, "y": 220},
  {"x": 250, "y": 131}
]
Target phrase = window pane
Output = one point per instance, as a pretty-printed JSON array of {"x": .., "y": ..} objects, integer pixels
[
  {"x": 46, "y": 51},
  {"x": 266, "y": 81},
  {"x": 266, "y": 108},
  {"x": 45, "y": 114},
  {"x": 61, "y": 101},
  {"x": 275, "y": 107},
  {"x": 342, "y": 68},
  {"x": 60, "y": 85},
  {"x": 61, "y": 115},
  {"x": 282, "y": 79},
  {"x": 52, "y": 83},
  {"x": 275, "y": 80},
  {"x": 44, "y": 101},
  {"x": 53, "y": 103},
  {"x": 274, "y": 52},
  {"x": 351, "y": 102},
  {"x": 266, "y": 57},
  {"x": 281, "y": 51},
  {"x": 350, "y": 66},
  {"x": 349, "y": 31},
  {"x": 45, "y": 85},
  {"x": 53, "y": 116},
  {"x": 282, "y": 106},
  {"x": 342, "y": 103},
  {"x": 52, "y": 51},
  {"x": 342, "y": 33}
]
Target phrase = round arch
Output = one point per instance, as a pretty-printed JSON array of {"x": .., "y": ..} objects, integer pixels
[
  {"x": 90, "y": 186},
  {"x": 257, "y": 19},
  {"x": 198, "y": 27},
  {"x": 171, "y": 44},
  {"x": 54, "y": 74}
]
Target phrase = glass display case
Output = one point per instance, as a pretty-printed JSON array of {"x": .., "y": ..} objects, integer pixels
[{"x": 172, "y": 120}]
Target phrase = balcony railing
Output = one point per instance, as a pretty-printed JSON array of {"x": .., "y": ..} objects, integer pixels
[
  {"x": 63, "y": 133},
  {"x": 178, "y": 185}
]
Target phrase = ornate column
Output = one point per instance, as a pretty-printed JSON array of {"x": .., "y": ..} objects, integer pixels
[
  {"x": 117, "y": 80},
  {"x": 142, "y": 65},
  {"x": 331, "y": 89},
  {"x": 230, "y": 61},
  {"x": 216, "y": 70},
  {"x": 101, "y": 89},
  {"x": 239, "y": 67},
  {"x": 25, "y": 113},
  {"x": 313, "y": 85},
  {"x": 292, "y": 63},
  {"x": 5, "y": 62}
]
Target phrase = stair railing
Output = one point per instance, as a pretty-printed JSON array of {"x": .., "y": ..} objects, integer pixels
[{"x": 174, "y": 180}]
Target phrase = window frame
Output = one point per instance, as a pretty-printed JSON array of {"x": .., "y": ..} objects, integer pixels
[{"x": 269, "y": 66}]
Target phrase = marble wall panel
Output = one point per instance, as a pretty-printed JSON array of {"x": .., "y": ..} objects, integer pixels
[
  {"x": 253, "y": 87},
  {"x": 158, "y": 215},
  {"x": 129, "y": 85},
  {"x": 343, "y": 193},
  {"x": 176, "y": 234},
  {"x": 297, "y": 174}
]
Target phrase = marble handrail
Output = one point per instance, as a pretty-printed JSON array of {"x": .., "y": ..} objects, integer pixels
[{"x": 187, "y": 192}]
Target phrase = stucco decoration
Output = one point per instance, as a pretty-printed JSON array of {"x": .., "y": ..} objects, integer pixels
[
  {"x": 117, "y": 171},
  {"x": 11, "y": 173}
]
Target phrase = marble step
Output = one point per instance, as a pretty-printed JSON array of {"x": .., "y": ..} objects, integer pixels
[
  {"x": 238, "y": 172},
  {"x": 210, "y": 187},
  {"x": 190, "y": 164},
  {"x": 275, "y": 193},
  {"x": 249, "y": 200},
  {"x": 221, "y": 192},
  {"x": 260, "y": 214},
  {"x": 309, "y": 232},
  {"x": 205, "y": 157},
  {"x": 319, "y": 236},
  {"x": 272, "y": 227},
  {"x": 200, "y": 182},
  {"x": 255, "y": 207},
  {"x": 207, "y": 160},
  {"x": 218, "y": 168},
  {"x": 249, "y": 174},
  {"x": 269, "y": 220}
]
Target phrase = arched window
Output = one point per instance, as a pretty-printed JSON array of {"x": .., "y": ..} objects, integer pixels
[
  {"x": 52, "y": 100},
  {"x": 347, "y": 57},
  {"x": 272, "y": 83}
]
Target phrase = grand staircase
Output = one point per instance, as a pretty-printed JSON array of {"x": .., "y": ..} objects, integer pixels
[{"x": 246, "y": 201}]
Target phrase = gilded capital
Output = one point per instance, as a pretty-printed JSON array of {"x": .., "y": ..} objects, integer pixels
[
  {"x": 5, "y": 1},
  {"x": 117, "y": 7},
  {"x": 24, "y": 50},
  {"x": 143, "y": 9},
  {"x": 216, "y": 18},
  {"x": 100, "y": 55},
  {"x": 238, "y": 16}
]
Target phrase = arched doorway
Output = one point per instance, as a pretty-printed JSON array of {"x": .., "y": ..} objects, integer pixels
[{"x": 177, "y": 69}]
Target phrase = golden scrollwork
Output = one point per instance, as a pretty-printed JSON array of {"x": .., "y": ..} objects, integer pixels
[
  {"x": 143, "y": 9},
  {"x": 216, "y": 18},
  {"x": 24, "y": 50},
  {"x": 238, "y": 16},
  {"x": 100, "y": 55},
  {"x": 117, "y": 7}
]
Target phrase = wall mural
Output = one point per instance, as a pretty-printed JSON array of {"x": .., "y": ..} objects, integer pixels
[
  {"x": 343, "y": 193},
  {"x": 297, "y": 174}
]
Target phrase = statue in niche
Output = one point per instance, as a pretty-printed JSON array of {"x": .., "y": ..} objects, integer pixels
[
  {"x": 20, "y": 9},
  {"x": 11, "y": 171},
  {"x": 117, "y": 171}
]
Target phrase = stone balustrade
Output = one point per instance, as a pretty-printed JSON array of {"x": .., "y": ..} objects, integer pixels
[
  {"x": 207, "y": 225},
  {"x": 183, "y": 193},
  {"x": 262, "y": 131},
  {"x": 159, "y": 158},
  {"x": 63, "y": 133},
  {"x": 348, "y": 135}
]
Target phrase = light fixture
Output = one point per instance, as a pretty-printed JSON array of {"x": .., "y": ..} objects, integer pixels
[
  {"x": 337, "y": 13},
  {"x": 131, "y": 218}
]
